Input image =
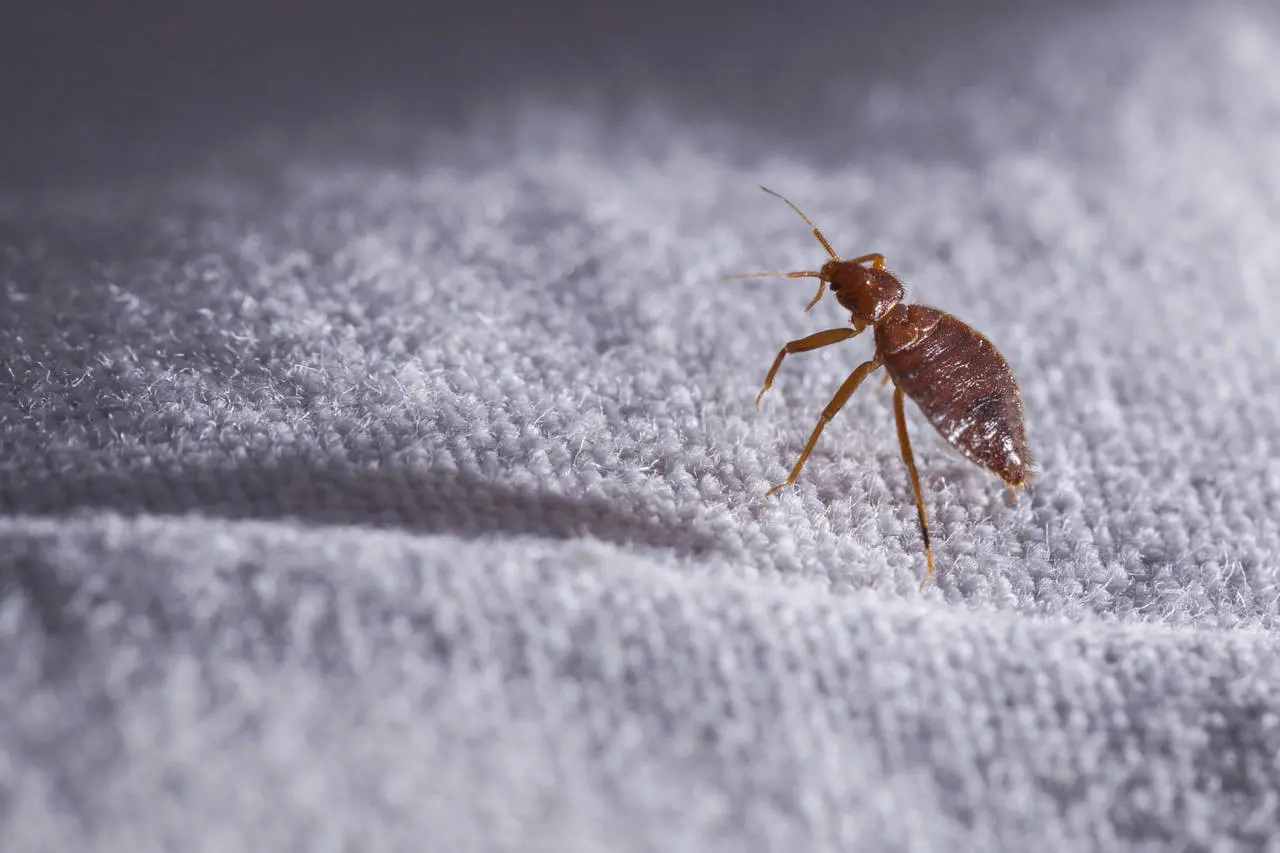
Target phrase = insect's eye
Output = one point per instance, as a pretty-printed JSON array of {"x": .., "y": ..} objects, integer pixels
[{"x": 834, "y": 287}]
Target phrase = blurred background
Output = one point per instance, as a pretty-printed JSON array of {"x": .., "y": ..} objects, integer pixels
[{"x": 131, "y": 88}]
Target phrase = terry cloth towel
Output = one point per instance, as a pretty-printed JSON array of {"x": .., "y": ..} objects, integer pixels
[{"x": 379, "y": 468}]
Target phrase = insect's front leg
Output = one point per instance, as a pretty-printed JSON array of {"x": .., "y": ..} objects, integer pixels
[
  {"x": 876, "y": 259},
  {"x": 812, "y": 342}
]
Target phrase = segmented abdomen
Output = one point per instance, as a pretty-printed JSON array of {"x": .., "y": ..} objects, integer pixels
[{"x": 964, "y": 387}]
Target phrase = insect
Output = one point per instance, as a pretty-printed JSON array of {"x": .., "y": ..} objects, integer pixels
[{"x": 955, "y": 375}]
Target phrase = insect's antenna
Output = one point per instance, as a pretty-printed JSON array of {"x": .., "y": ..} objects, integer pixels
[
  {"x": 808, "y": 221},
  {"x": 783, "y": 274},
  {"x": 796, "y": 274}
]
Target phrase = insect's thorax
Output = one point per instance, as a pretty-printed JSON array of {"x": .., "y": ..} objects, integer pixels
[{"x": 905, "y": 326}]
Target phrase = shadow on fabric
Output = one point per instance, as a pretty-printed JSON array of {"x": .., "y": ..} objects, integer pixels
[{"x": 327, "y": 494}]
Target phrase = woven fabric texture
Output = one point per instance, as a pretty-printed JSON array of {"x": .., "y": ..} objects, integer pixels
[{"x": 386, "y": 475}]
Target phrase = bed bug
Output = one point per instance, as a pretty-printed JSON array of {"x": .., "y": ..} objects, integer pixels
[{"x": 956, "y": 376}]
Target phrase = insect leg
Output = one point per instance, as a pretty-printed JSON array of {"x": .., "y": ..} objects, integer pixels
[
  {"x": 814, "y": 341},
  {"x": 905, "y": 442},
  {"x": 877, "y": 260},
  {"x": 837, "y": 402}
]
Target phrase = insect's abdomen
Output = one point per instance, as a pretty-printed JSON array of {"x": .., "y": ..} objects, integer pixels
[{"x": 961, "y": 383}]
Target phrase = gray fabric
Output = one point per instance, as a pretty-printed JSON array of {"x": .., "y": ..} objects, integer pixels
[{"x": 385, "y": 479}]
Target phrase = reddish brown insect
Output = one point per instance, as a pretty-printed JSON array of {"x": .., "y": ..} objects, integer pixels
[{"x": 962, "y": 384}]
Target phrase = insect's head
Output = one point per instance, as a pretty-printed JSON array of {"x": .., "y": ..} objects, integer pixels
[{"x": 865, "y": 291}]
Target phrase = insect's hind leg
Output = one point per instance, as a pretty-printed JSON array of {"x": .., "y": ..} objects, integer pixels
[
  {"x": 837, "y": 403},
  {"x": 904, "y": 442}
]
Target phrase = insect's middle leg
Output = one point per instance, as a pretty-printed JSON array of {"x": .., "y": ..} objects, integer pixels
[
  {"x": 837, "y": 403},
  {"x": 904, "y": 441},
  {"x": 814, "y": 341}
]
